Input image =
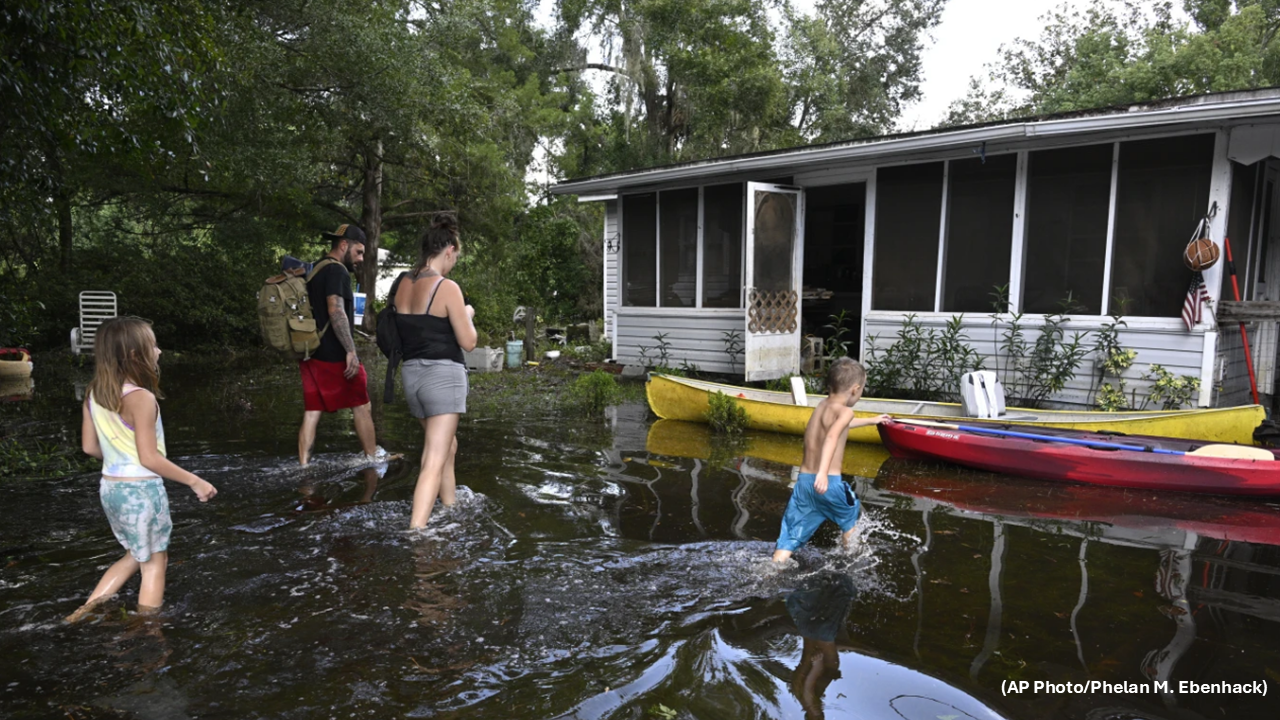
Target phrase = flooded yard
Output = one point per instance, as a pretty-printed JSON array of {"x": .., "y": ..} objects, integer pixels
[{"x": 616, "y": 566}]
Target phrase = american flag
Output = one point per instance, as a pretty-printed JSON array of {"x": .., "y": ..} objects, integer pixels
[{"x": 1197, "y": 298}]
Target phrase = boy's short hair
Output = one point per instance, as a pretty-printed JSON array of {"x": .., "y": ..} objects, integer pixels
[{"x": 844, "y": 374}]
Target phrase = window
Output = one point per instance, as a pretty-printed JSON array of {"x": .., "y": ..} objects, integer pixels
[
  {"x": 1068, "y": 202},
  {"x": 722, "y": 246},
  {"x": 979, "y": 231},
  {"x": 678, "y": 247},
  {"x": 1162, "y": 192},
  {"x": 639, "y": 250},
  {"x": 908, "y": 211}
]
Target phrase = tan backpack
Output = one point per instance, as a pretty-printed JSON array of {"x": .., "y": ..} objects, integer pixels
[{"x": 284, "y": 313}]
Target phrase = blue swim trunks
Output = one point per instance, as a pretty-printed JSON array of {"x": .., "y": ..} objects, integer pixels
[{"x": 807, "y": 509}]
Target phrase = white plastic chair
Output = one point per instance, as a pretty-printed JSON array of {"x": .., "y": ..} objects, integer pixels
[{"x": 96, "y": 307}]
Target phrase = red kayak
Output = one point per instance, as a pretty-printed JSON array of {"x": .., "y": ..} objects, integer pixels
[{"x": 1130, "y": 461}]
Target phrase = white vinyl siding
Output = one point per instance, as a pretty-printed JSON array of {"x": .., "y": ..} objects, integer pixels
[
  {"x": 1157, "y": 342},
  {"x": 612, "y": 240},
  {"x": 695, "y": 336}
]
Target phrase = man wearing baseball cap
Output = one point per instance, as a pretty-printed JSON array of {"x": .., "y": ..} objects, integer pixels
[{"x": 333, "y": 378}]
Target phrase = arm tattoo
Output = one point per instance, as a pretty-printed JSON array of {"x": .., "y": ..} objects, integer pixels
[{"x": 338, "y": 324}]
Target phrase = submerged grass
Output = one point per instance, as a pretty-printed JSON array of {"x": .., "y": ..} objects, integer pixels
[{"x": 547, "y": 389}]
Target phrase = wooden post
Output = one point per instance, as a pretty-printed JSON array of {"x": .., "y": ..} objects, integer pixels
[{"x": 530, "y": 321}]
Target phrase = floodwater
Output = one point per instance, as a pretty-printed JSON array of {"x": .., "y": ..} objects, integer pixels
[{"x": 616, "y": 567}]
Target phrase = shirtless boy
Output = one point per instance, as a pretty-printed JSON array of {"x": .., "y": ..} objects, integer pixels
[{"x": 820, "y": 493}]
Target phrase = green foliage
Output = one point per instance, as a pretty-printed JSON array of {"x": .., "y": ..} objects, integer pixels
[
  {"x": 594, "y": 391},
  {"x": 733, "y": 347},
  {"x": 922, "y": 364},
  {"x": 37, "y": 458},
  {"x": 1112, "y": 399},
  {"x": 1036, "y": 371},
  {"x": 658, "y": 710},
  {"x": 1170, "y": 391},
  {"x": 951, "y": 356},
  {"x": 687, "y": 79},
  {"x": 725, "y": 415},
  {"x": 595, "y": 352},
  {"x": 556, "y": 266},
  {"x": 812, "y": 384},
  {"x": 1112, "y": 359},
  {"x": 927, "y": 364},
  {"x": 18, "y": 317},
  {"x": 664, "y": 348},
  {"x": 1120, "y": 53},
  {"x": 836, "y": 344},
  {"x": 116, "y": 81}
]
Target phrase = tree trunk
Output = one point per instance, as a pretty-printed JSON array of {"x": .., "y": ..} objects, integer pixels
[
  {"x": 371, "y": 221},
  {"x": 62, "y": 207},
  {"x": 63, "y": 203}
]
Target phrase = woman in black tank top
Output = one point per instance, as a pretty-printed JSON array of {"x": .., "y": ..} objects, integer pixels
[{"x": 435, "y": 326}]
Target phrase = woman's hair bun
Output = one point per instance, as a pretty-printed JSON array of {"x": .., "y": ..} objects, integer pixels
[{"x": 445, "y": 221}]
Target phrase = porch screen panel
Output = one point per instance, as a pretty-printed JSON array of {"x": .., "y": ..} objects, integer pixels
[
  {"x": 979, "y": 231},
  {"x": 1240, "y": 222},
  {"x": 908, "y": 212},
  {"x": 678, "y": 240},
  {"x": 775, "y": 238},
  {"x": 1068, "y": 200},
  {"x": 1162, "y": 192},
  {"x": 639, "y": 250},
  {"x": 722, "y": 246}
]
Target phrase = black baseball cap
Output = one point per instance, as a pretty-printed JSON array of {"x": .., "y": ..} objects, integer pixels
[{"x": 348, "y": 231}]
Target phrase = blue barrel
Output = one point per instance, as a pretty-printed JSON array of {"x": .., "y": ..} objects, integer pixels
[{"x": 515, "y": 349}]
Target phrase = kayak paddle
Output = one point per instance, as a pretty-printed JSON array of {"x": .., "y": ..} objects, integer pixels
[{"x": 1219, "y": 450}]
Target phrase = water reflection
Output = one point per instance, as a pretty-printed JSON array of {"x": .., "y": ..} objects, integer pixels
[
  {"x": 13, "y": 389},
  {"x": 992, "y": 573},
  {"x": 819, "y": 613}
]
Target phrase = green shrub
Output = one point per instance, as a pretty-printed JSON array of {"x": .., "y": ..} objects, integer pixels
[
  {"x": 724, "y": 415},
  {"x": 813, "y": 384},
  {"x": 595, "y": 352},
  {"x": 595, "y": 391}
]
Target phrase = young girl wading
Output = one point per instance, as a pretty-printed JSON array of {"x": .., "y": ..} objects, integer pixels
[{"x": 122, "y": 427}]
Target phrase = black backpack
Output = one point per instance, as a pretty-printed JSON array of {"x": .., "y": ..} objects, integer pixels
[{"x": 389, "y": 340}]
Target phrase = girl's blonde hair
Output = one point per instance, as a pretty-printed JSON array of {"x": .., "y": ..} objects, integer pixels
[{"x": 123, "y": 351}]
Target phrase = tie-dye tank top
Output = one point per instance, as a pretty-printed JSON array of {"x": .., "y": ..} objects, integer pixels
[{"x": 118, "y": 441}]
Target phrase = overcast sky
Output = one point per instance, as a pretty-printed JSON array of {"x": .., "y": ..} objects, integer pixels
[{"x": 969, "y": 37}]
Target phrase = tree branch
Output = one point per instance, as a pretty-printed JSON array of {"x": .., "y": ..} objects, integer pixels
[
  {"x": 591, "y": 66},
  {"x": 338, "y": 209},
  {"x": 389, "y": 222}
]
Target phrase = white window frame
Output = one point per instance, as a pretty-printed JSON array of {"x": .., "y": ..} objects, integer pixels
[
  {"x": 1018, "y": 251},
  {"x": 657, "y": 240}
]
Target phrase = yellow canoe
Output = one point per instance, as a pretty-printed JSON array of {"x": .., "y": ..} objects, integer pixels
[
  {"x": 677, "y": 438},
  {"x": 16, "y": 363},
  {"x": 677, "y": 398}
]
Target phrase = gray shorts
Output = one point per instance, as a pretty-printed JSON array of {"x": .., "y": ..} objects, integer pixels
[{"x": 434, "y": 387}]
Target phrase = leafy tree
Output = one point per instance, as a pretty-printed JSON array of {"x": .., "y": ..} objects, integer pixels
[
  {"x": 691, "y": 79},
  {"x": 1113, "y": 54},
  {"x": 120, "y": 81},
  {"x": 851, "y": 66}
]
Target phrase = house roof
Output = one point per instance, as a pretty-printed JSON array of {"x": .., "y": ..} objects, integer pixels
[{"x": 1213, "y": 107}]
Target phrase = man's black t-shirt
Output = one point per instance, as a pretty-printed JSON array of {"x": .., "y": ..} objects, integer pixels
[{"x": 333, "y": 279}]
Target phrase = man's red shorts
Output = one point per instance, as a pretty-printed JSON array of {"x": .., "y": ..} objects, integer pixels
[{"x": 325, "y": 389}]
